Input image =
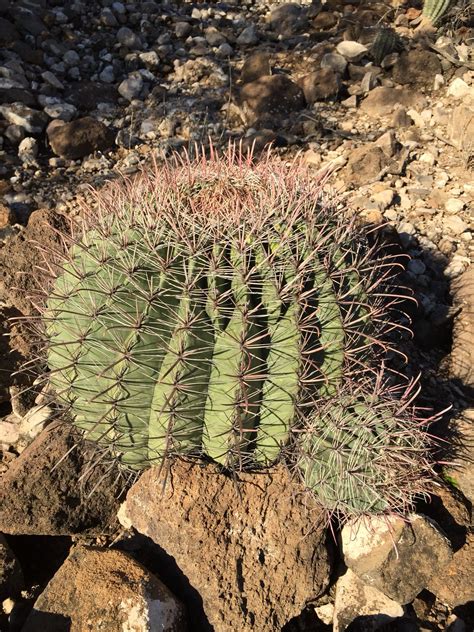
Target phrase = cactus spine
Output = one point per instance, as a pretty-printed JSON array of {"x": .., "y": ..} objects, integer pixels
[
  {"x": 219, "y": 307},
  {"x": 433, "y": 10}
]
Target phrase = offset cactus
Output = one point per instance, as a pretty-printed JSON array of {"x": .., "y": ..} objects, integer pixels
[
  {"x": 433, "y": 10},
  {"x": 211, "y": 307},
  {"x": 385, "y": 43}
]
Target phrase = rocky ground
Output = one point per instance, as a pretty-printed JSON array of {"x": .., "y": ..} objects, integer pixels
[{"x": 91, "y": 91}]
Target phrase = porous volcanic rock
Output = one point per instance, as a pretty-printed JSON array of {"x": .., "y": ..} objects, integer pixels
[
  {"x": 49, "y": 489},
  {"x": 272, "y": 95},
  {"x": 80, "y": 138},
  {"x": 105, "y": 590},
  {"x": 416, "y": 66},
  {"x": 253, "y": 546}
]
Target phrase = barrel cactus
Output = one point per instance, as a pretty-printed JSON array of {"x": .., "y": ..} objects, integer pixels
[
  {"x": 433, "y": 10},
  {"x": 212, "y": 307}
]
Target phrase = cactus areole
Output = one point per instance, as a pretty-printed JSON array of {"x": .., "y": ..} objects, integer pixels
[{"x": 209, "y": 307}]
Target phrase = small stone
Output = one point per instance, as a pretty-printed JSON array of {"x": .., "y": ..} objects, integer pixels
[
  {"x": 320, "y": 84},
  {"x": 150, "y": 59},
  {"x": 9, "y": 432},
  {"x": 355, "y": 599},
  {"x": 384, "y": 198},
  {"x": 108, "y": 18},
  {"x": 225, "y": 50},
  {"x": 7, "y": 217},
  {"x": 35, "y": 421},
  {"x": 51, "y": 78},
  {"x": 455, "y": 224},
  {"x": 63, "y": 111},
  {"x": 128, "y": 38},
  {"x": 427, "y": 158},
  {"x": 454, "y": 205},
  {"x": 103, "y": 589},
  {"x": 351, "y": 102},
  {"x": 71, "y": 58},
  {"x": 107, "y": 74},
  {"x": 248, "y": 37},
  {"x": 79, "y": 138},
  {"x": 15, "y": 134},
  {"x": 32, "y": 121},
  {"x": 182, "y": 29},
  {"x": 213, "y": 36},
  {"x": 368, "y": 82},
  {"x": 131, "y": 87},
  {"x": 336, "y": 62},
  {"x": 28, "y": 150},
  {"x": 438, "y": 82},
  {"x": 256, "y": 66},
  {"x": 460, "y": 89},
  {"x": 353, "y": 51},
  {"x": 397, "y": 557}
]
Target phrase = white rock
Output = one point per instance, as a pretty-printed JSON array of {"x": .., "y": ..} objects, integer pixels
[
  {"x": 35, "y": 421},
  {"x": 63, "y": 111},
  {"x": 351, "y": 50},
  {"x": 150, "y": 58},
  {"x": 9, "y": 432},
  {"x": 355, "y": 599},
  {"x": 131, "y": 87},
  {"x": 454, "y": 205},
  {"x": 325, "y": 613},
  {"x": 28, "y": 150},
  {"x": 460, "y": 89},
  {"x": 455, "y": 224}
]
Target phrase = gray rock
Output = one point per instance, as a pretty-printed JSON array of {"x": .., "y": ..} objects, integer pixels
[
  {"x": 63, "y": 111},
  {"x": 356, "y": 599},
  {"x": 131, "y": 87},
  {"x": 51, "y": 78},
  {"x": 15, "y": 134},
  {"x": 102, "y": 589},
  {"x": 108, "y": 18},
  {"x": 32, "y": 121},
  {"x": 107, "y": 75},
  {"x": 71, "y": 58},
  {"x": 182, "y": 29},
  {"x": 128, "y": 38},
  {"x": 214, "y": 37},
  {"x": 335, "y": 61},
  {"x": 397, "y": 557},
  {"x": 150, "y": 59},
  {"x": 248, "y": 37}
]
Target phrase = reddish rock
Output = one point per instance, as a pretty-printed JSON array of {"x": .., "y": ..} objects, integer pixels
[
  {"x": 105, "y": 590},
  {"x": 320, "y": 84},
  {"x": 7, "y": 216},
  {"x": 417, "y": 66},
  {"x": 454, "y": 585},
  {"x": 80, "y": 138},
  {"x": 253, "y": 546},
  {"x": 272, "y": 95}
]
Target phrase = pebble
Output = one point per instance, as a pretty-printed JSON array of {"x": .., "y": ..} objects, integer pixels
[
  {"x": 131, "y": 87},
  {"x": 128, "y": 38},
  {"x": 353, "y": 51},
  {"x": 454, "y": 205},
  {"x": 28, "y": 150},
  {"x": 416, "y": 267},
  {"x": 335, "y": 61},
  {"x": 248, "y": 36},
  {"x": 62, "y": 111}
]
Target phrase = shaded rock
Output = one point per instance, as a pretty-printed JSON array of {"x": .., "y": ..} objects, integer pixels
[
  {"x": 8, "y": 33},
  {"x": 454, "y": 586},
  {"x": 461, "y": 128},
  {"x": 461, "y": 468},
  {"x": 276, "y": 94},
  {"x": 320, "y": 84},
  {"x": 416, "y": 66},
  {"x": 105, "y": 590},
  {"x": 11, "y": 575},
  {"x": 243, "y": 544},
  {"x": 80, "y": 138},
  {"x": 288, "y": 19},
  {"x": 128, "y": 38},
  {"x": 44, "y": 495},
  {"x": 397, "y": 557},
  {"x": 356, "y": 599},
  {"x": 382, "y": 101},
  {"x": 335, "y": 62},
  {"x": 256, "y": 66},
  {"x": 365, "y": 164},
  {"x": 261, "y": 140},
  {"x": 248, "y": 37},
  {"x": 86, "y": 95},
  {"x": 17, "y": 95},
  {"x": 30, "y": 120}
]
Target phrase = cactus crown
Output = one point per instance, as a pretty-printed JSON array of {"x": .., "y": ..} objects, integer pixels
[{"x": 216, "y": 307}]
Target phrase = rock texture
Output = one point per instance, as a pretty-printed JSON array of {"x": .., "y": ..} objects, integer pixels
[
  {"x": 11, "y": 575},
  {"x": 43, "y": 493},
  {"x": 454, "y": 586},
  {"x": 79, "y": 138},
  {"x": 462, "y": 354},
  {"x": 244, "y": 544},
  {"x": 398, "y": 558},
  {"x": 105, "y": 590}
]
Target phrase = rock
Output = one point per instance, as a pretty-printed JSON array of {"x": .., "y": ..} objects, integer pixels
[
  {"x": 107, "y": 590},
  {"x": 416, "y": 66},
  {"x": 8, "y": 33},
  {"x": 353, "y": 51},
  {"x": 461, "y": 128},
  {"x": 382, "y": 101},
  {"x": 256, "y": 66},
  {"x": 460, "y": 89},
  {"x": 454, "y": 205},
  {"x": 107, "y": 74},
  {"x": 273, "y": 95},
  {"x": 369, "y": 81},
  {"x": 454, "y": 586},
  {"x": 42, "y": 492},
  {"x": 461, "y": 363},
  {"x": 287, "y": 19},
  {"x": 32, "y": 121},
  {"x": 131, "y": 87},
  {"x": 243, "y": 542},
  {"x": 62, "y": 111},
  {"x": 51, "y": 78},
  {"x": 150, "y": 59},
  {"x": 320, "y": 84},
  {"x": 86, "y": 95},
  {"x": 365, "y": 165},
  {"x": 454, "y": 224},
  {"x": 213, "y": 36},
  {"x": 7, "y": 216},
  {"x": 416, "y": 267},
  {"x": 355, "y": 599},
  {"x": 28, "y": 150},
  {"x": 248, "y": 37},
  {"x": 80, "y": 138},
  {"x": 182, "y": 29},
  {"x": 128, "y": 38},
  {"x": 335, "y": 62},
  {"x": 11, "y": 575},
  {"x": 397, "y": 557}
]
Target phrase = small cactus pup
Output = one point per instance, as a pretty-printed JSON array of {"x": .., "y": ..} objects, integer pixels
[{"x": 209, "y": 305}]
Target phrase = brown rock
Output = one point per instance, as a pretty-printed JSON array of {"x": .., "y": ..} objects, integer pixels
[
  {"x": 7, "y": 216},
  {"x": 254, "y": 548},
  {"x": 461, "y": 128},
  {"x": 462, "y": 353},
  {"x": 46, "y": 489},
  {"x": 273, "y": 95},
  {"x": 365, "y": 165},
  {"x": 11, "y": 575},
  {"x": 417, "y": 67},
  {"x": 454, "y": 585},
  {"x": 80, "y": 138},
  {"x": 256, "y": 66},
  {"x": 320, "y": 84},
  {"x": 85, "y": 95},
  {"x": 105, "y": 590},
  {"x": 325, "y": 20},
  {"x": 382, "y": 101}
]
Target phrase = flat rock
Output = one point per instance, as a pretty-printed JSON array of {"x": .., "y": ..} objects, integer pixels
[
  {"x": 80, "y": 138},
  {"x": 44, "y": 495},
  {"x": 272, "y": 95},
  {"x": 107, "y": 590},
  {"x": 254, "y": 548},
  {"x": 355, "y": 599},
  {"x": 32, "y": 121},
  {"x": 365, "y": 164},
  {"x": 461, "y": 128},
  {"x": 416, "y": 66},
  {"x": 382, "y": 101},
  {"x": 398, "y": 558},
  {"x": 454, "y": 586},
  {"x": 320, "y": 84},
  {"x": 351, "y": 50},
  {"x": 11, "y": 575}
]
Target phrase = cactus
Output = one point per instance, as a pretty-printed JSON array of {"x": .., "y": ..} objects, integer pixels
[
  {"x": 385, "y": 43},
  {"x": 219, "y": 307},
  {"x": 433, "y": 10}
]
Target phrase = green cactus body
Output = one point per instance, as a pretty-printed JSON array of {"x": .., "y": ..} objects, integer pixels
[{"x": 435, "y": 9}]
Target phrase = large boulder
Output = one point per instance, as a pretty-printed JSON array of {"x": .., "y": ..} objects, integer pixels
[{"x": 253, "y": 545}]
